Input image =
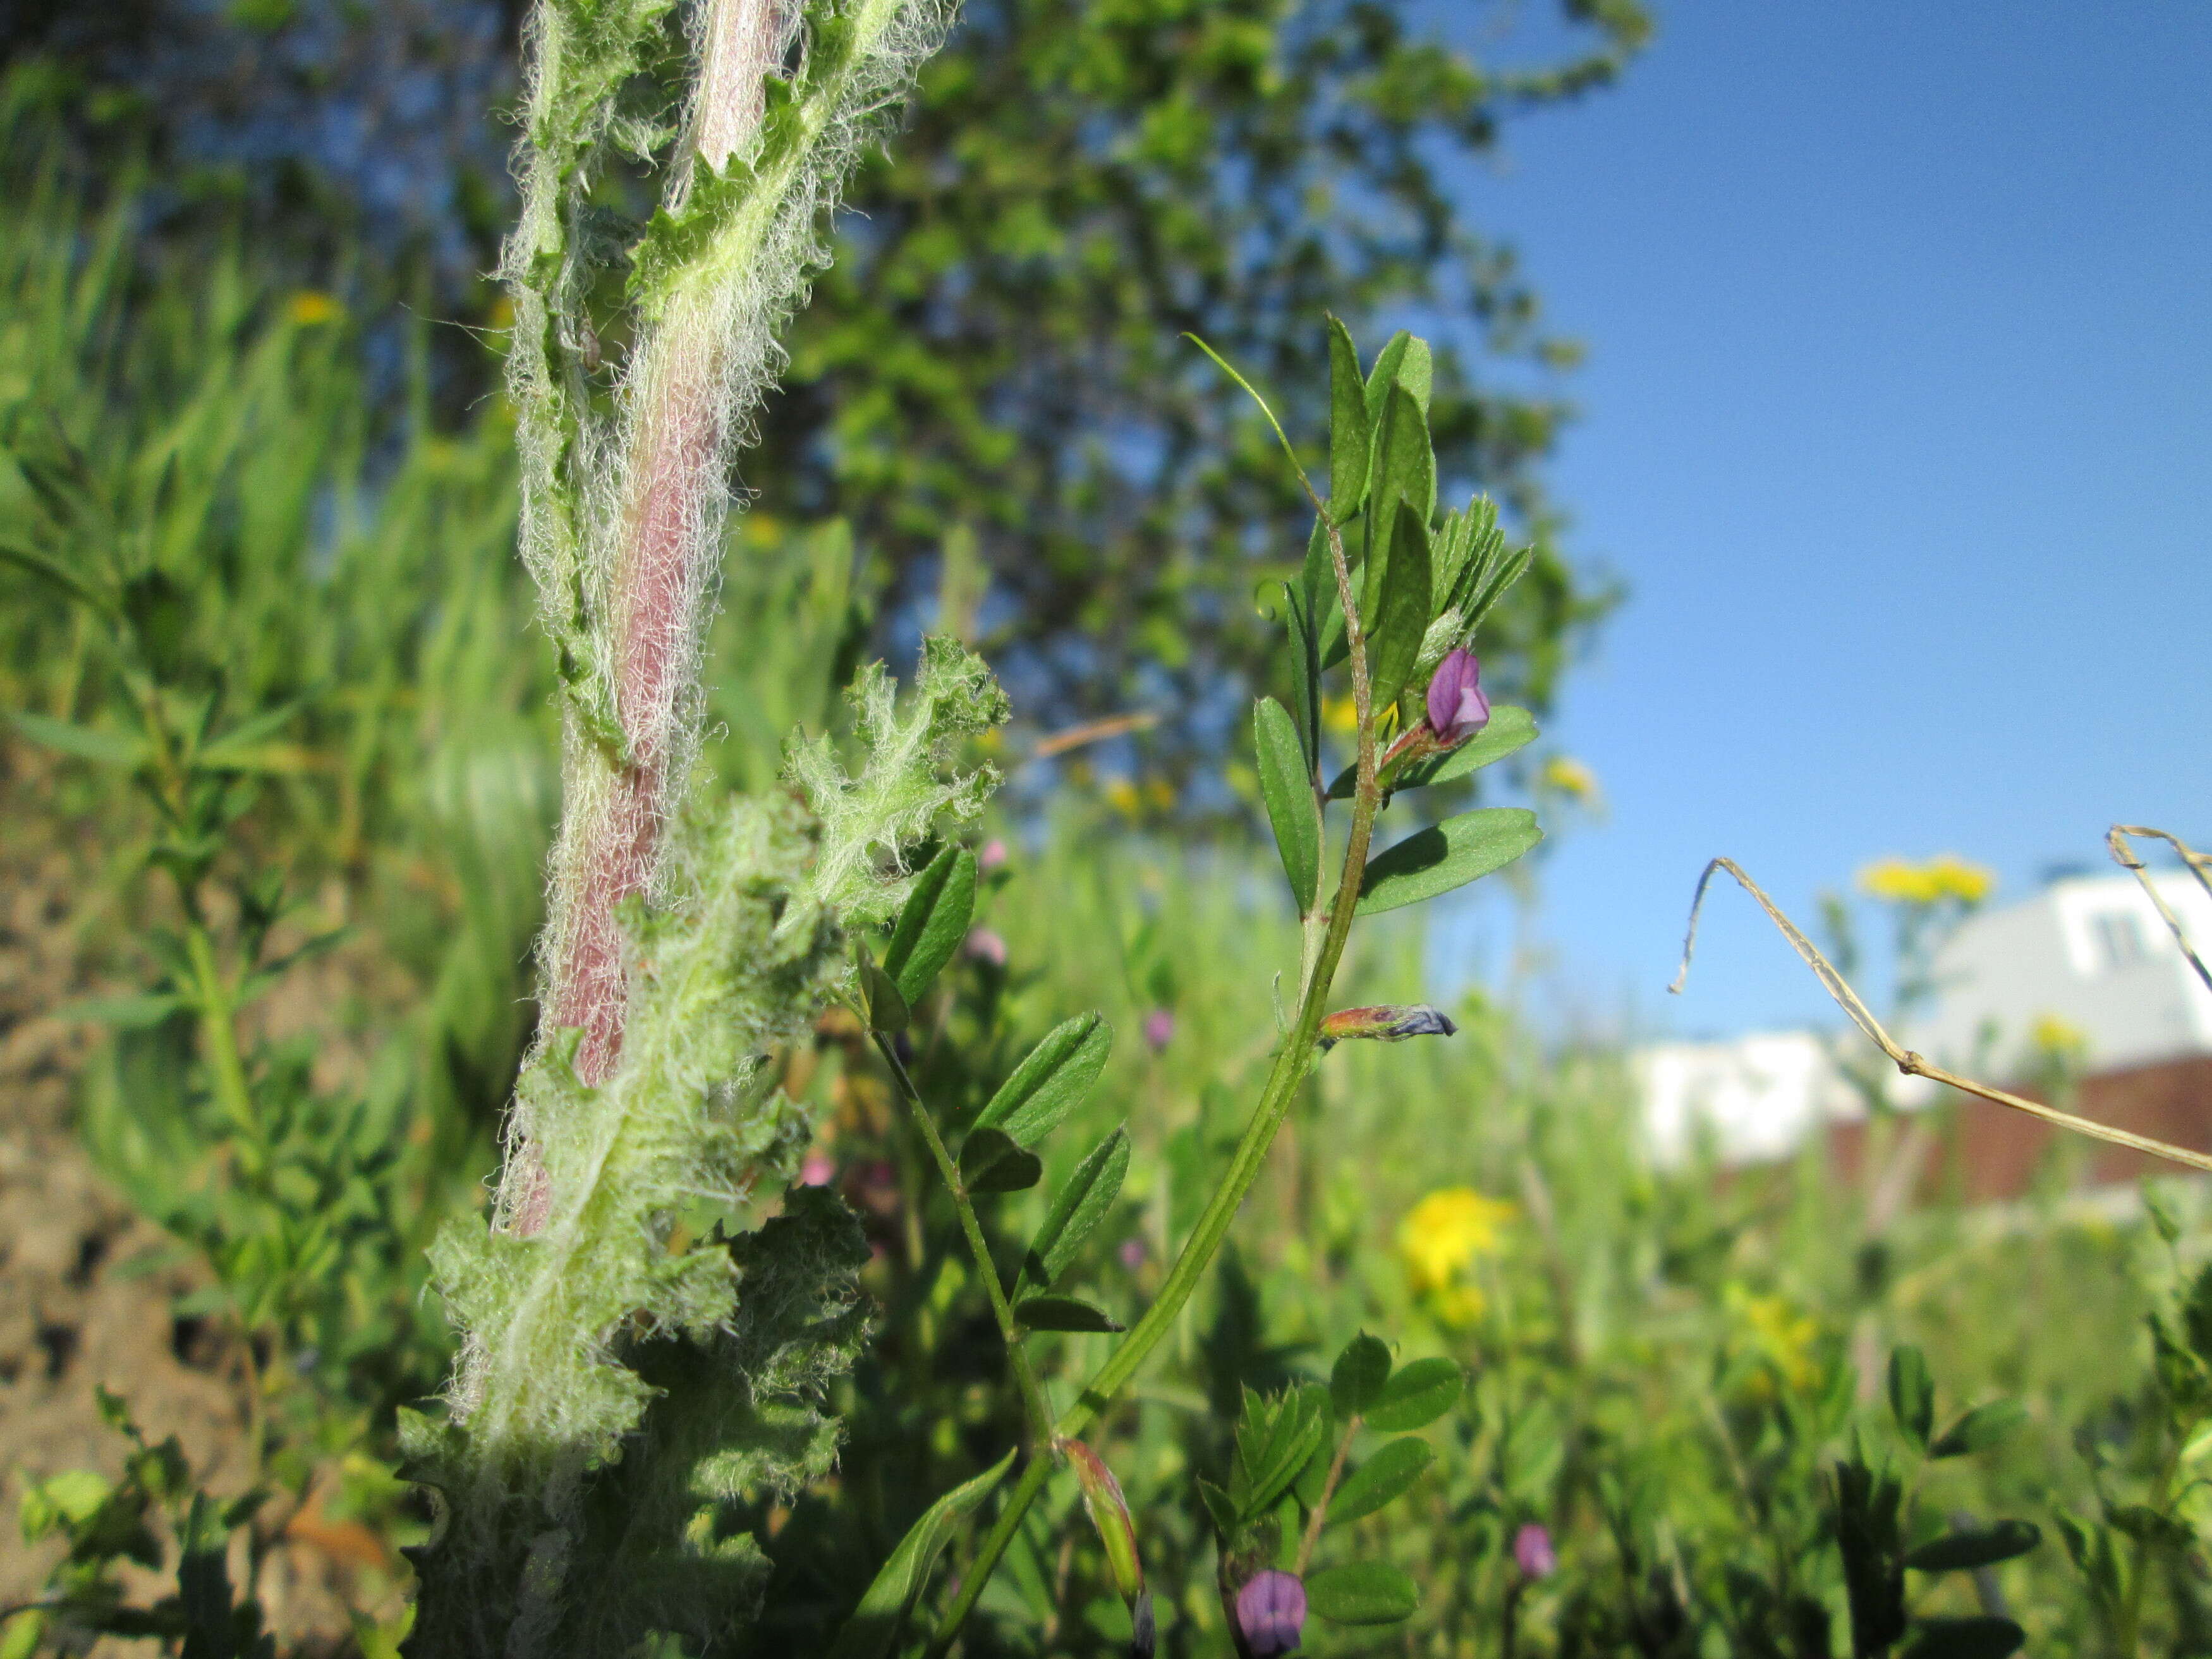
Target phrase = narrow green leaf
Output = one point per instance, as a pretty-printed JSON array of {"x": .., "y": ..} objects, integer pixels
[
  {"x": 60, "y": 576},
  {"x": 1357, "y": 1378},
  {"x": 1980, "y": 1429},
  {"x": 1384, "y": 374},
  {"x": 1416, "y": 371},
  {"x": 127, "y": 1013},
  {"x": 1446, "y": 855},
  {"x": 1983, "y": 1636},
  {"x": 1415, "y": 1397},
  {"x": 1404, "y": 468},
  {"x": 1401, "y": 616},
  {"x": 1349, "y": 431},
  {"x": 1982, "y": 1546},
  {"x": 1305, "y": 680},
  {"x": 873, "y": 1630},
  {"x": 887, "y": 1009},
  {"x": 1913, "y": 1394},
  {"x": 1080, "y": 1205},
  {"x": 1052, "y": 1082},
  {"x": 242, "y": 747},
  {"x": 1062, "y": 1313},
  {"x": 992, "y": 1161},
  {"x": 106, "y": 748},
  {"x": 1286, "y": 788},
  {"x": 1221, "y": 1507},
  {"x": 933, "y": 922},
  {"x": 1362, "y": 1593},
  {"x": 1385, "y": 1476},
  {"x": 1285, "y": 1443},
  {"x": 1510, "y": 731}
]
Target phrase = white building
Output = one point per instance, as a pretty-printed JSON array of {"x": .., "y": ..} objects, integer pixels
[{"x": 2088, "y": 952}]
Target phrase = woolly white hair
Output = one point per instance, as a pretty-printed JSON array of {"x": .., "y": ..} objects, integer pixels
[{"x": 625, "y": 499}]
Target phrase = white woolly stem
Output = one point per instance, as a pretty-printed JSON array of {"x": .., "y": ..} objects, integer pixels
[{"x": 677, "y": 413}]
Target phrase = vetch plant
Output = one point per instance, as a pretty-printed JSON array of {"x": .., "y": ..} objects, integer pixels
[{"x": 1393, "y": 594}]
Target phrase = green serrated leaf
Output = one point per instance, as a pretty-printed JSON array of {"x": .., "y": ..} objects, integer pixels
[
  {"x": 1362, "y": 1593},
  {"x": 1982, "y": 1546},
  {"x": 1983, "y": 1636},
  {"x": 1349, "y": 431},
  {"x": 993, "y": 1161},
  {"x": 1415, "y": 1397},
  {"x": 1382, "y": 1477},
  {"x": 1080, "y": 1205},
  {"x": 1356, "y": 1380},
  {"x": 1446, "y": 855},
  {"x": 1051, "y": 1081},
  {"x": 873, "y": 1630},
  {"x": 1286, "y": 788},
  {"x": 1401, "y": 616},
  {"x": 932, "y": 923},
  {"x": 1063, "y": 1313},
  {"x": 1912, "y": 1395},
  {"x": 1980, "y": 1428}
]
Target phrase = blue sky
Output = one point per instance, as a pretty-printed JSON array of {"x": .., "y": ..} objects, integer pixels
[{"x": 1896, "y": 423}]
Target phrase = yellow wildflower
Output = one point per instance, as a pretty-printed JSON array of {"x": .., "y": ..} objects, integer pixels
[
  {"x": 1160, "y": 794},
  {"x": 1340, "y": 714},
  {"x": 1458, "y": 1305},
  {"x": 2057, "y": 1038},
  {"x": 311, "y": 305},
  {"x": 1122, "y": 796},
  {"x": 1571, "y": 778},
  {"x": 1446, "y": 1231},
  {"x": 1778, "y": 1333},
  {"x": 1946, "y": 876}
]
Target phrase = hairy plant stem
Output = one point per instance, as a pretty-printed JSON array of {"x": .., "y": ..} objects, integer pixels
[
  {"x": 1034, "y": 1404},
  {"x": 1284, "y": 1078}
]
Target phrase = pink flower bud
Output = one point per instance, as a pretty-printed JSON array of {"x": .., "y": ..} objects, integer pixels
[
  {"x": 984, "y": 945},
  {"x": 1159, "y": 1029},
  {"x": 1532, "y": 1554},
  {"x": 991, "y": 855},
  {"x": 1271, "y": 1612},
  {"x": 819, "y": 1169},
  {"x": 1457, "y": 708}
]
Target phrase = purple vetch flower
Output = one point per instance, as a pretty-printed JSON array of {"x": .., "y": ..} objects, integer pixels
[
  {"x": 991, "y": 855},
  {"x": 984, "y": 945},
  {"x": 1270, "y": 1612},
  {"x": 1132, "y": 1253},
  {"x": 1159, "y": 1029},
  {"x": 1387, "y": 1023},
  {"x": 1532, "y": 1552},
  {"x": 1457, "y": 708}
]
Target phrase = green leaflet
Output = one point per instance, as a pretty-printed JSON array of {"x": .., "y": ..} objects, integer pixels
[
  {"x": 1415, "y": 1397},
  {"x": 85, "y": 742},
  {"x": 873, "y": 1630},
  {"x": 1981, "y": 1547},
  {"x": 1381, "y": 1479},
  {"x": 1404, "y": 469},
  {"x": 1510, "y": 730},
  {"x": 1275, "y": 1438},
  {"x": 1446, "y": 855},
  {"x": 1359, "y": 1375},
  {"x": 1063, "y": 1313},
  {"x": 992, "y": 1161},
  {"x": 1401, "y": 616},
  {"x": 1362, "y": 1593},
  {"x": 1913, "y": 1394},
  {"x": 1349, "y": 431},
  {"x": 1384, "y": 374},
  {"x": 1980, "y": 1637},
  {"x": 1286, "y": 788},
  {"x": 1051, "y": 1081},
  {"x": 1077, "y": 1210},
  {"x": 933, "y": 922},
  {"x": 1980, "y": 1428}
]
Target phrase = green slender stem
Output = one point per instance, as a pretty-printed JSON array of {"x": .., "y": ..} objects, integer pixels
[
  {"x": 1034, "y": 1404},
  {"x": 1288, "y": 1072}
]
